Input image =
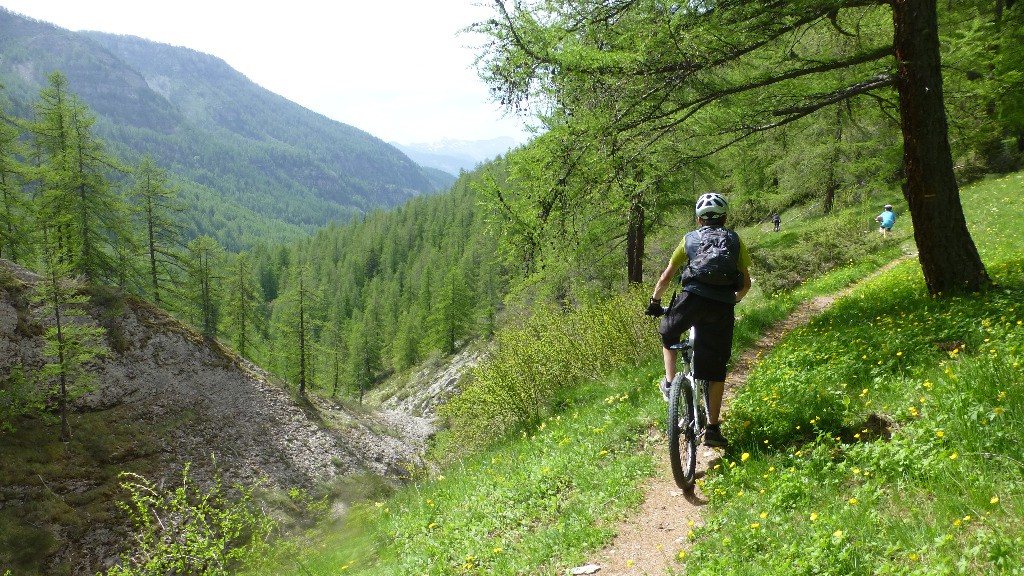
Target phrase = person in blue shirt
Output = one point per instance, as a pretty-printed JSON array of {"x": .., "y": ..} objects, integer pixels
[{"x": 885, "y": 220}]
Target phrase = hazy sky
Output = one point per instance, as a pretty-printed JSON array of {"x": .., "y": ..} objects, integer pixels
[{"x": 397, "y": 69}]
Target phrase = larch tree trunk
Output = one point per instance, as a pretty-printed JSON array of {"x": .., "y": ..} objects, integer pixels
[
  {"x": 635, "y": 238},
  {"x": 949, "y": 258}
]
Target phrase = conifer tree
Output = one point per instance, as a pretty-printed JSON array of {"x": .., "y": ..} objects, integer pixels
[
  {"x": 73, "y": 340},
  {"x": 15, "y": 206},
  {"x": 364, "y": 351},
  {"x": 74, "y": 196},
  {"x": 204, "y": 291},
  {"x": 158, "y": 211},
  {"x": 405, "y": 348},
  {"x": 333, "y": 350},
  {"x": 243, "y": 304},
  {"x": 490, "y": 296},
  {"x": 299, "y": 323},
  {"x": 451, "y": 315}
]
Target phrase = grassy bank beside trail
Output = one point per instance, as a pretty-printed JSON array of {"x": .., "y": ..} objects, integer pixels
[
  {"x": 884, "y": 437},
  {"x": 548, "y": 495}
]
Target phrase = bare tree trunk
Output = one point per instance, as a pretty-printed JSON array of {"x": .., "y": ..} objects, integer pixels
[
  {"x": 635, "y": 238},
  {"x": 302, "y": 336},
  {"x": 949, "y": 258},
  {"x": 62, "y": 401},
  {"x": 151, "y": 245},
  {"x": 831, "y": 183}
]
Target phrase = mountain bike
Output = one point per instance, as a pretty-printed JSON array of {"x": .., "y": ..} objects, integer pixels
[{"x": 687, "y": 416}]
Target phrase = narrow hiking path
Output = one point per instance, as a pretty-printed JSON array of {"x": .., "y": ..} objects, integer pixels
[{"x": 650, "y": 540}]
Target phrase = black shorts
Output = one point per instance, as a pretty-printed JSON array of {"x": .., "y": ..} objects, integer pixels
[{"x": 712, "y": 345}]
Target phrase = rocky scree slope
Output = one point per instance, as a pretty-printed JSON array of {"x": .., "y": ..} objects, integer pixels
[{"x": 176, "y": 397}]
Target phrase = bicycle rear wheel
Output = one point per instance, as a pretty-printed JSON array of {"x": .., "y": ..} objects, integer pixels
[{"x": 682, "y": 442}]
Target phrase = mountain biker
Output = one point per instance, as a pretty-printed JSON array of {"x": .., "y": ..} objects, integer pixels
[
  {"x": 886, "y": 220},
  {"x": 710, "y": 308}
]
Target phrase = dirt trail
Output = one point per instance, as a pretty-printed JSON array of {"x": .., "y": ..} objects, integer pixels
[{"x": 657, "y": 532}]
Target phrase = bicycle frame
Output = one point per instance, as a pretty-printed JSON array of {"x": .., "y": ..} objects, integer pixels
[
  {"x": 699, "y": 418},
  {"x": 687, "y": 416}
]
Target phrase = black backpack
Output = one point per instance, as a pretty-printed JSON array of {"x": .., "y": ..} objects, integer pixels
[{"x": 716, "y": 262}]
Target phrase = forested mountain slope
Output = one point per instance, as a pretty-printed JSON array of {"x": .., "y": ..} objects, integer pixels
[{"x": 235, "y": 146}]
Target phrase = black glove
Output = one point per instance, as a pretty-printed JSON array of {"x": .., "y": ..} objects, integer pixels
[{"x": 654, "y": 308}]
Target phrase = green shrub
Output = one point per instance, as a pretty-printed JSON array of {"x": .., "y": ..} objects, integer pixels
[
  {"x": 18, "y": 397},
  {"x": 191, "y": 530},
  {"x": 552, "y": 350},
  {"x": 834, "y": 242}
]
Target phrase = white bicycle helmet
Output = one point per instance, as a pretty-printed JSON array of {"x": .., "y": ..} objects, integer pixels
[{"x": 712, "y": 205}]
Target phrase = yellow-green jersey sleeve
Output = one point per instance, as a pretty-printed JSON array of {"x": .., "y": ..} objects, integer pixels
[
  {"x": 744, "y": 260},
  {"x": 679, "y": 257}
]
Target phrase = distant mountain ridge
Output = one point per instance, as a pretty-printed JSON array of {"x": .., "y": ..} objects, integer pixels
[
  {"x": 253, "y": 154},
  {"x": 454, "y": 156}
]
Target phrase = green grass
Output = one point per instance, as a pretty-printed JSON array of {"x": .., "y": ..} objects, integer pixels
[
  {"x": 533, "y": 504},
  {"x": 881, "y": 438},
  {"x": 813, "y": 483}
]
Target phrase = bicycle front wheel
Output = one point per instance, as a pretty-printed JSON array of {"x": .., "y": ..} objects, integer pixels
[{"x": 682, "y": 441}]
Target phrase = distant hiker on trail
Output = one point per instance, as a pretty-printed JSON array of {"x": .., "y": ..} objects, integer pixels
[
  {"x": 776, "y": 220},
  {"x": 715, "y": 277},
  {"x": 886, "y": 219}
]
